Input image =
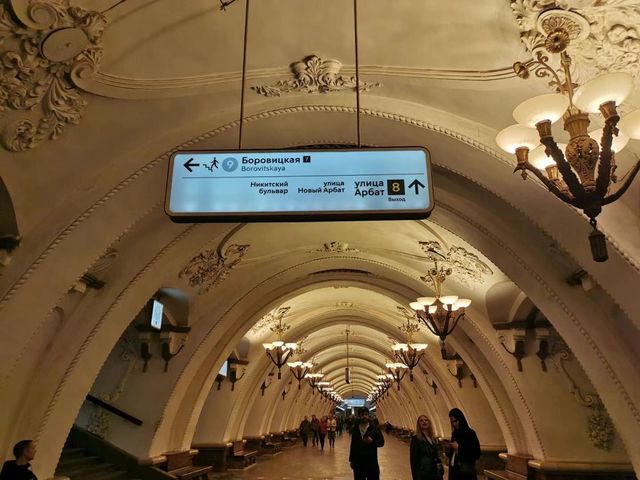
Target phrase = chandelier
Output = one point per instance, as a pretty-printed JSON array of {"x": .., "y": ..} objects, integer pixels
[
  {"x": 380, "y": 387},
  {"x": 279, "y": 351},
  {"x": 581, "y": 173},
  {"x": 440, "y": 314},
  {"x": 409, "y": 353},
  {"x": 397, "y": 372},
  {"x": 300, "y": 370},
  {"x": 314, "y": 379}
]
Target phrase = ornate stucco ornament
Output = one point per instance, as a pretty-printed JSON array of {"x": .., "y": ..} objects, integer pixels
[
  {"x": 605, "y": 36},
  {"x": 466, "y": 266},
  {"x": 336, "y": 247},
  {"x": 210, "y": 268},
  {"x": 312, "y": 74},
  {"x": 269, "y": 320},
  {"x": 44, "y": 45}
]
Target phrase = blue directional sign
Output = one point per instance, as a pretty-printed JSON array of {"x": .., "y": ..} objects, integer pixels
[{"x": 296, "y": 185}]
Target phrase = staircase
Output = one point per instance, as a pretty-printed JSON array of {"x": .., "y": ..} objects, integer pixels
[{"x": 76, "y": 464}]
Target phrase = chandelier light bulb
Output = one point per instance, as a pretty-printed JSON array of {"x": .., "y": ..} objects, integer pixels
[
  {"x": 611, "y": 87},
  {"x": 539, "y": 159},
  {"x": 617, "y": 142},
  {"x": 630, "y": 124},
  {"x": 517, "y": 136},
  {"x": 549, "y": 107}
]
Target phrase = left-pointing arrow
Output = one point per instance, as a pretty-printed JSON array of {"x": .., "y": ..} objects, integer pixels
[{"x": 189, "y": 164}]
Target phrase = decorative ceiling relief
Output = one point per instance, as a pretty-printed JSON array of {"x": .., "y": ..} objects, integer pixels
[
  {"x": 314, "y": 75},
  {"x": 209, "y": 268},
  {"x": 466, "y": 266},
  {"x": 335, "y": 247},
  {"x": 44, "y": 46},
  {"x": 346, "y": 305},
  {"x": 269, "y": 320},
  {"x": 605, "y": 36}
]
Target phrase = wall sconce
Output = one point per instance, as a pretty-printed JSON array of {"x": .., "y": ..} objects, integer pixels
[
  {"x": 168, "y": 340},
  {"x": 459, "y": 371},
  {"x": 516, "y": 339},
  {"x": 233, "y": 376},
  {"x": 266, "y": 385}
]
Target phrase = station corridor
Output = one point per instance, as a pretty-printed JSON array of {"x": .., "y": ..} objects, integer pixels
[
  {"x": 229, "y": 225},
  {"x": 299, "y": 463}
]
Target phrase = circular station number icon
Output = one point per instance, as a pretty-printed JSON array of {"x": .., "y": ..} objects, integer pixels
[{"x": 229, "y": 164}]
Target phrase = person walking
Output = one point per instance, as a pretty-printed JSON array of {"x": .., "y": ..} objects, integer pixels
[
  {"x": 323, "y": 428},
  {"x": 366, "y": 438},
  {"x": 305, "y": 430},
  {"x": 463, "y": 450},
  {"x": 424, "y": 454},
  {"x": 20, "y": 468},
  {"x": 315, "y": 427},
  {"x": 332, "y": 428}
]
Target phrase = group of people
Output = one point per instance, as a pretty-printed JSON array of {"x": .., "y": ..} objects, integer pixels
[
  {"x": 425, "y": 452},
  {"x": 320, "y": 429}
]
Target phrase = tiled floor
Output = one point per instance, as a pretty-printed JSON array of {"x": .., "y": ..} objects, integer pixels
[{"x": 300, "y": 463}]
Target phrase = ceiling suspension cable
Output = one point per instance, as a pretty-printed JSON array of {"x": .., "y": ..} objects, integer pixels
[
  {"x": 244, "y": 72},
  {"x": 355, "y": 31}
]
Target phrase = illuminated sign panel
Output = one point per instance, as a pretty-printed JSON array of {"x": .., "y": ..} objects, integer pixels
[
  {"x": 291, "y": 185},
  {"x": 156, "y": 314}
]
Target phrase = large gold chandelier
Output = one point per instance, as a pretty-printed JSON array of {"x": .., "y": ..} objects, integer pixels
[{"x": 581, "y": 173}]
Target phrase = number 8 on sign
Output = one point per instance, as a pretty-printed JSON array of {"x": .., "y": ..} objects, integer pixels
[{"x": 395, "y": 187}]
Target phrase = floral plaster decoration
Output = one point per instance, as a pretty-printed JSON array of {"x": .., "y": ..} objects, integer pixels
[
  {"x": 209, "y": 268},
  {"x": 313, "y": 75},
  {"x": 44, "y": 46},
  {"x": 466, "y": 266}
]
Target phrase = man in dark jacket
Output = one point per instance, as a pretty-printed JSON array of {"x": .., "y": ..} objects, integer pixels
[
  {"x": 20, "y": 468},
  {"x": 366, "y": 438}
]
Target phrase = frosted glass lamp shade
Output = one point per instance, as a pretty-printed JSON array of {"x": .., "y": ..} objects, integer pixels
[
  {"x": 419, "y": 346},
  {"x": 630, "y": 124},
  {"x": 517, "y": 136},
  {"x": 292, "y": 346},
  {"x": 417, "y": 306},
  {"x": 538, "y": 158},
  {"x": 389, "y": 365},
  {"x": 617, "y": 143},
  {"x": 463, "y": 303},
  {"x": 611, "y": 87},
  {"x": 294, "y": 364},
  {"x": 550, "y": 107},
  {"x": 433, "y": 309},
  {"x": 426, "y": 301},
  {"x": 449, "y": 299},
  {"x": 278, "y": 343},
  {"x": 267, "y": 346},
  {"x": 399, "y": 346}
]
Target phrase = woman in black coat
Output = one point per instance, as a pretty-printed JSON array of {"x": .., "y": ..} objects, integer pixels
[
  {"x": 464, "y": 448},
  {"x": 424, "y": 453}
]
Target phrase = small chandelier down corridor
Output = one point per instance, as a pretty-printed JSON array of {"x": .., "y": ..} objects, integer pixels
[
  {"x": 279, "y": 351},
  {"x": 300, "y": 370},
  {"x": 409, "y": 353},
  {"x": 440, "y": 314},
  {"x": 582, "y": 172},
  {"x": 397, "y": 372}
]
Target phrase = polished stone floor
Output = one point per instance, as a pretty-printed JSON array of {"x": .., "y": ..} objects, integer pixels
[{"x": 299, "y": 463}]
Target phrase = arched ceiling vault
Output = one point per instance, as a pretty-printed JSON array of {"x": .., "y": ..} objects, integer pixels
[{"x": 113, "y": 169}]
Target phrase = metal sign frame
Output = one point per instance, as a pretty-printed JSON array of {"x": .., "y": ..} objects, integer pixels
[{"x": 304, "y": 216}]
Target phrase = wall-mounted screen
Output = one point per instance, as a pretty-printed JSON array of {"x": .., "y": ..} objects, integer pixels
[
  {"x": 355, "y": 402},
  {"x": 156, "y": 314}
]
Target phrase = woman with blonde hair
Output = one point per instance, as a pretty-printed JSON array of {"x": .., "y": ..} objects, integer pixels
[{"x": 424, "y": 452}]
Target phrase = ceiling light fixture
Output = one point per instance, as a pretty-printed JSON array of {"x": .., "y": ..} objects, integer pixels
[
  {"x": 279, "y": 351},
  {"x": 440, "y": 314},
  {"x": 581, "y": 173},
  {"x": 409, "y": 353},
  {"x": 300, "y": 370}
]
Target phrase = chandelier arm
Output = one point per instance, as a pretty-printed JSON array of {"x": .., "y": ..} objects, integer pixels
[
  {"x": 549, "y": 184},
  {"x": 606, "y": 156},
  {"x": 618, "y": 193},
  {"x": 428, "y": 325},
  {"x": 565, "y": 169},
  {"x": 455, "y": 323}
]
